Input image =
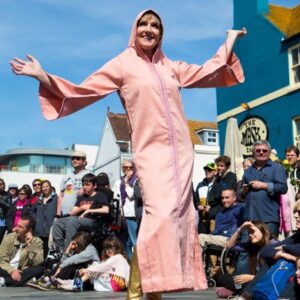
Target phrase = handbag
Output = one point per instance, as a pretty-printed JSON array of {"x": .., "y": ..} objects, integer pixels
[{"x": 272, "y": 284}]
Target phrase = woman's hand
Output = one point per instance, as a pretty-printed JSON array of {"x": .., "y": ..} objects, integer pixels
[
  {"x": 31, "y": 67},
  {"x": 241, "y": 279},
  {"x": 232, "y": 35},
  {"x": 236, "y": 33}
]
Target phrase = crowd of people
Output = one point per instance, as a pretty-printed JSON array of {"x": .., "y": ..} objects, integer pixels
[
  {"x": 47, "y": 237},
  {"x": 257, "y": 216}
]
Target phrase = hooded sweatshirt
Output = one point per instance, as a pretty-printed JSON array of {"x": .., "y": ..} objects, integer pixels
[{"x": 167, "y": 247}]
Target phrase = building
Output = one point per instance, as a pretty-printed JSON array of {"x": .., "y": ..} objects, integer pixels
[
  {"x": 23, "y": 165},
  {"x": 267, "y": 104},
  {"x": 115, "y": 145}
]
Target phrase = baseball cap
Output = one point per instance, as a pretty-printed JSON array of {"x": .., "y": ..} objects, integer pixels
[
  {"x": 210, "y": 166},
  {"x": 79, "y": 153},
  {"x": 12, "y": 186}
]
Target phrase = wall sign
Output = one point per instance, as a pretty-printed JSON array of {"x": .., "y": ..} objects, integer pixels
[{"x": 251, "y": 130}]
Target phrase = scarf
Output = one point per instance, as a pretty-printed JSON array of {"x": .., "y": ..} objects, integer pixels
[{"x": 131, "y": 182}]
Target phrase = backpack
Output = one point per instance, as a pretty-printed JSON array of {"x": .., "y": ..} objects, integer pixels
[{"x": 272, "y": 284}]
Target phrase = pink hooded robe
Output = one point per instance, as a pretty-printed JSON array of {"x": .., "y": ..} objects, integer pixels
[{"x": 168, "y": 251}]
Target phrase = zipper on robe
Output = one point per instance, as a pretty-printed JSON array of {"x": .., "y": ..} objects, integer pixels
[{"x": 171, "y": 132}]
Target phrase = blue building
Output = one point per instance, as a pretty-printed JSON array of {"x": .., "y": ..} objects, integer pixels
[{"x": 267, "y": 105}]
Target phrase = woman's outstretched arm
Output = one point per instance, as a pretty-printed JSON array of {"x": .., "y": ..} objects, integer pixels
[{"x": 31, "y": 68}]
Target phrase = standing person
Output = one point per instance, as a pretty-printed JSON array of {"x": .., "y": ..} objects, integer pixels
[
  {"x": 71, "y": 185},
  {"x": 13, "y": 192},
  {"x": 225, "y": 179},
  {"x": 37, "y": 187},
  {"x": 17, "y": 209},
  {"x": 21, "y": 254},
  {"x": 45, "y": 212},
  {"x": 4, "y": 206},
  {"x": 124, "y": 191},
  {"x": 148, "y": 84},
  {"x": 205, "y": 202},
  {"x": 287, "y": 200},
  {"x": 263, "y": 183}
]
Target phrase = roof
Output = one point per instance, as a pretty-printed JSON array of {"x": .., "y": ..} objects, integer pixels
[
  {"x": 120, "y": 127},
  {"x": 195, "y": 126},
  {"x": 285, "y": 19}
]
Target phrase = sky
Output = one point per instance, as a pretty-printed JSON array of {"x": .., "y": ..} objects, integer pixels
[{"x": 73, "y": 38}]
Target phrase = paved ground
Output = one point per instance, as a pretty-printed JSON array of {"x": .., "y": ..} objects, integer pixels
[{"x": 29, "y": 293}]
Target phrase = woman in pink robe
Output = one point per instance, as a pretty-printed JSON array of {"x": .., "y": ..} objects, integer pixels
[{"x": 148, "y": 84}]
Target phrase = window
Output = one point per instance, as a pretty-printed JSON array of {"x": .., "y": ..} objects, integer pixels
[
  {"x": 294, "y": 61},
  {"x": 209, "y": 137},
  {"x": 296, "y": 131}
]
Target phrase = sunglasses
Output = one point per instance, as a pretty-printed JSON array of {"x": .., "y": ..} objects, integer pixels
[
  {"x": 261, "y": 150},
  {"x": 127, "y": 167},
  {"x": 21, "y": 194},
  {"x": 76, "y": 158},
  {"x": 36, "y": 184}
]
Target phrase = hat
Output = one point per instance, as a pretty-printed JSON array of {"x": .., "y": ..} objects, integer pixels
[
  {"x": 79, "y": 153},
  {"x": 12, "y": 186},
  {"x": 210, "y": 166}
]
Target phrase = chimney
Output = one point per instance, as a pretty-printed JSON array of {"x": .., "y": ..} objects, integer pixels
[{"x": 245, "y": 10}]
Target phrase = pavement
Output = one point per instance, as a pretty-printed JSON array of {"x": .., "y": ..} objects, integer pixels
[{"x": 26, "y": 293}]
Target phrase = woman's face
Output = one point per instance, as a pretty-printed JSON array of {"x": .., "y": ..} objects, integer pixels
[
  {"x": 297, "y": 217},
  {"x": 298, "y": 272},
  {"x": 22, "y": 195},
  {"x": 127, "y": 168},
  {"x": 46, "y": 189},
  {"x": 246, "y": 164},
  {"x": 148, "y": 33},
  {"x": 255, "y": 235}
]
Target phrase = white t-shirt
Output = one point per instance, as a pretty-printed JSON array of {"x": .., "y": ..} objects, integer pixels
[
  {"x": 70, "y": 185},
  {"x": 16, "y": 259}
]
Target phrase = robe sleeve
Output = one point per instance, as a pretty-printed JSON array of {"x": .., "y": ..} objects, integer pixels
[
  {"x": 64, "y": 98},
  {"x": 219, "y": 71}
]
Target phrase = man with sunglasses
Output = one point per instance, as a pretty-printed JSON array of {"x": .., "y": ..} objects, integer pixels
[
  {"x": 71, "y": 185},
  {"x": 263, "y": 183}
]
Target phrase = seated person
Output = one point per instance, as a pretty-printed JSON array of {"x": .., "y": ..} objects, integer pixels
[
  {"x": 110, "y": 275},
  {"x": 227, "y": 221},
  {"x": 21, "y": 254},
  {"x": 81, "y": 216},
  {"x": 242, "y": 281},
  {"x": 79, "y": 254}
]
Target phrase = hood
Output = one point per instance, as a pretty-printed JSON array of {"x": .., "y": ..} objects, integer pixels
[{"x": 132, "y": 38}]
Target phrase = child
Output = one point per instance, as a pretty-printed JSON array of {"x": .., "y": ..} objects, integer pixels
[
  {"x": 111, "y": 274},
  {"x": 82, "y": 214}
]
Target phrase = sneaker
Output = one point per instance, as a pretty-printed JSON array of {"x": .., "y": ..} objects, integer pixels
[
  {"x": 2, "y": 281},
  {"x": 54, "y": 255},
  {"x": 43, "y": 284}
]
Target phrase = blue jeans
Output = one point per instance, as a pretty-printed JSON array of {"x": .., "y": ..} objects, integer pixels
[{"x": 130, "y": 236}]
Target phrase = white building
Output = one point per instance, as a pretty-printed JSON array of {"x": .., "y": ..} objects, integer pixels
[
  {"x": 23, "y": 165},
  {"x": 115, "y": 146}
]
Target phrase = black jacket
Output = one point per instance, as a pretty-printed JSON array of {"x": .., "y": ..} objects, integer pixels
[
  {"x": 10, "y": 216},
  {"x": 5, "y": 202},
  {"x": 44, "y": 215}
]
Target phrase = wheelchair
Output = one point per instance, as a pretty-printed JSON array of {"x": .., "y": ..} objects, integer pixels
[
  {"x": 226, "y": 261},
  {"x": 105, "y": 225}
]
